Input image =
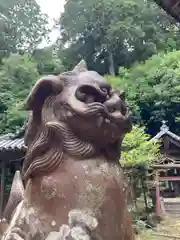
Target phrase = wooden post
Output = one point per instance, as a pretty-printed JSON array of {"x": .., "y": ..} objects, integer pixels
[
  {"x": 2, "y": 188},
  {"x": 158, "y": 204},
  {"x": 144, "y": 193},
  {"x": 166, "y": 145}
]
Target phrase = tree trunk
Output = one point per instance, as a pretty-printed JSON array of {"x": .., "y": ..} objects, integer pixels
[{"x": 111, "y": 64}]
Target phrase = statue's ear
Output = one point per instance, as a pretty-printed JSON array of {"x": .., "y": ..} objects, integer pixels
[
  {"x": 46, "y": 86},
  {"x": 81, "y": 67}
]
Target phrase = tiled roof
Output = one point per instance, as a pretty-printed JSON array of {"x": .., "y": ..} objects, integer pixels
[
  {"x": 164, "y": 130},
  {"x": 7, "y": 142}
]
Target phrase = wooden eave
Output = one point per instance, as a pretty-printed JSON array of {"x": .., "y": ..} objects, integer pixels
[{"x": 165, "y": 132}]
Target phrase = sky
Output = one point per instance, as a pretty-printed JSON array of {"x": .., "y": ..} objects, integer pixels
[{"x": 53, "y": 8}]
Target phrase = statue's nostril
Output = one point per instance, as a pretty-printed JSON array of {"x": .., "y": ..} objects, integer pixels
[
  {"x": 90, "y": 99},
  {"x": 80, "y": 96},
  {"x": 91, "y": 93}
]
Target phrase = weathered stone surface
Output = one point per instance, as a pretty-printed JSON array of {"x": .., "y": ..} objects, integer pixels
[
  {"x": 16, "y": 195},
  {"x": 73, "y": 181},
  {"x": 54, "y": 236}
]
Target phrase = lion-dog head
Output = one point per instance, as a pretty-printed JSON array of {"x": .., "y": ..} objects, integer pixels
[{"x": 77, "y": 113}]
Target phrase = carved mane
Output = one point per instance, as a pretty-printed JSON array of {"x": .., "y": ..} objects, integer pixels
[{"x": 46, "y": 137}]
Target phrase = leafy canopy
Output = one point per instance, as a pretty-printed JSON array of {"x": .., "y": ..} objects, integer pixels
[
  {"x": 17, "y": 76},
  {"x": 152, "y": 89},
  {"x": 22, "y": 26},
  {"x": 138, "y": 149},
  {"x": 128, "y": 30}
]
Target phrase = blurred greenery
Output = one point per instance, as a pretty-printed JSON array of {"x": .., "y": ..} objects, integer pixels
[
  {"x": 138, "y": 150},
  {"x": 18, "y": 74},
  {"x": 113, "y": 33},
  {"x": 152, "y": 90}
]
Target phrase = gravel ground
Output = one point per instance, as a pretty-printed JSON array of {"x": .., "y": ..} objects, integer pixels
[{"x": 167, "y": 230}]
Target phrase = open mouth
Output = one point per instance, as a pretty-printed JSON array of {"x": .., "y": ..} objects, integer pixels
[{"x": 112, "y": 104}]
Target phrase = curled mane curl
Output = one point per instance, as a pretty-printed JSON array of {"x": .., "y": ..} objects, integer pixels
[{"x": 47, "y": 138}]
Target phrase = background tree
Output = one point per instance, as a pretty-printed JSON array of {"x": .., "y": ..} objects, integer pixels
[
  {"x": 47, "y": 61},
  {"x": 22, "y": 26},
  {"x": 17, "y": 75},
  {"x": 115, "y": 32},
  {"x": 138, "y": 155},
  {"x": 138, "y": 150},
  {"x": 152, "y": 89}
]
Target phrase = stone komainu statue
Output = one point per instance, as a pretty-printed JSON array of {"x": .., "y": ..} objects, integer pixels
[{"x": 74, "y": 185}]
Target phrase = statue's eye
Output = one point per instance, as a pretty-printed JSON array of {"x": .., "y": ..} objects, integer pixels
[
  {"x": 107, "y": 92},
  {"x": 104, "y": 90},
  {"x": 105, "y": 87}
]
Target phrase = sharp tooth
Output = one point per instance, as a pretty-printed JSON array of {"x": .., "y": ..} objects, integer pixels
[
  {"x": 100, "y": 121},
  {"x": 107, "y": 120},
  {"x": 69, "y": 114},
  {"x": 113, "y": 136}
]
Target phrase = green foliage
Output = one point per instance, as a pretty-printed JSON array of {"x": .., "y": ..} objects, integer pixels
[
  {"x": 22, "y": 26},
  {"x": 126, "y": 30},
  {"x": 139, "y": 153},
  {"x": 17, "y": 75},
  {"x": 47, "y": 61},
  {"x": 152, "y": 89},
  {"x": 120, "y": 83},
  {"x": 138, "y": 150}
]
